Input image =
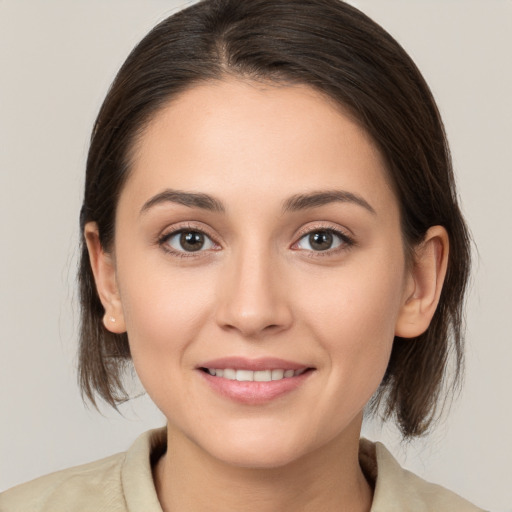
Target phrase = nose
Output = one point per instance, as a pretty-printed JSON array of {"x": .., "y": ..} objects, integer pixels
[{"x": 252, "y": 298}]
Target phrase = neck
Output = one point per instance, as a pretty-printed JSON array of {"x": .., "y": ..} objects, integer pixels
[{"x": 330, "y": 479}]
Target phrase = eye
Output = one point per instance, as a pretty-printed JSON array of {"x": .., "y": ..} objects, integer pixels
[
  {"x": 322, "y": 240},
  {"x": 187, "y": 240}
]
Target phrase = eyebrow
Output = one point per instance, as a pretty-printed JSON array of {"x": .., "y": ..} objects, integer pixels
[
  {"x": 293, "y": 204},
  {"x": 316, "y": 199},
  {"x": 190, "y": 199}
]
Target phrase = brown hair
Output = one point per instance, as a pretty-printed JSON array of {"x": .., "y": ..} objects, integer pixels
[{"x": 336, "y": 49}]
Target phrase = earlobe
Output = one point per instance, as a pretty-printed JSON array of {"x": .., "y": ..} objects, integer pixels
[
  {"x": 425, "y": 283},
  {"x": 103, "y": 268}
]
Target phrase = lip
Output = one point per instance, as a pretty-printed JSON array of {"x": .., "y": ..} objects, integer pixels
[
  {"x": 261, "y": 363},
  {"x": 253, "y": 392}
]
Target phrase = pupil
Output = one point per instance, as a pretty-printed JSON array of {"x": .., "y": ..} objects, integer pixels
[
  {"x": 321, "y": 240},
  {"x": 192, "y": 241}
]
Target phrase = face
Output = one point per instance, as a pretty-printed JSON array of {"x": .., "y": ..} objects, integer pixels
[{"x": 258, "y": 238}]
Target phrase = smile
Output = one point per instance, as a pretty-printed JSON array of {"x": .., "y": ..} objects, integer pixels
[
  {"x": 254, "y": 376},
  {"x": 254, "y": 381}
]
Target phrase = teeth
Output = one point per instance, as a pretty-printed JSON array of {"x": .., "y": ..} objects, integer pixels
[
  {"x": 277, "y": 374},
  {"x": 254, "y": 376},
  {"x": 229, "y": 374},
  {"x": 263, "y": 376},
  {"x": 243, "y": 375}
]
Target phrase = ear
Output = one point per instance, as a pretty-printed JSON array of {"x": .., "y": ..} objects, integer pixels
[
  {"x": 424, "y": 283},
  {"x": 103, "y": 268}
]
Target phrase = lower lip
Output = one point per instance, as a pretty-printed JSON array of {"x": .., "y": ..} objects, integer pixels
[{"x": 254, "y": 393}]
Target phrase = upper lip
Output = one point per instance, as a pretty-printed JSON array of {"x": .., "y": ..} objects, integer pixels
[{"x": 261, "y": 363}]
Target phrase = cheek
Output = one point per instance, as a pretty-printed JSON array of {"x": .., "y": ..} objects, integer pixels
[
  {"x": 357, "y": 304},
  {"x": 164, "y": 310},
  {"x": 352, "y": 315}
]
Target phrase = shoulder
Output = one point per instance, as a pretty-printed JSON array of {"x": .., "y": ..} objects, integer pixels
[
  {"x": 97, "y": 484},
  {"x": 398, "y": 489},
  {"x": 117, "y": 483}
]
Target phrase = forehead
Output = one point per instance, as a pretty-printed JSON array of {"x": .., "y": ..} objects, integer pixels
[{"x": 264, "y": 138}]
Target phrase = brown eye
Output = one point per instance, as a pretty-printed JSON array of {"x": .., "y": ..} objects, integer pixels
[
  {"x": 192, "y": 241},
  {"x": 188, "y": 241},
  {"x": 320, "y": 240},
  {"x": 323, "y": 240}
]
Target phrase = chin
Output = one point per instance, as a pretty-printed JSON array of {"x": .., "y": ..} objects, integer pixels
[
  {"x": 259, "y": 450},
  {"x": 258, "y": 458}
]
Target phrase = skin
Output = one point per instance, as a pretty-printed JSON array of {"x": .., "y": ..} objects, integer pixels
[{"x": 260, "y": 289}]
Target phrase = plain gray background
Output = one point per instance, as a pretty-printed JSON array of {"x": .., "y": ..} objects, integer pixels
[{"x": 57, "y": 59}]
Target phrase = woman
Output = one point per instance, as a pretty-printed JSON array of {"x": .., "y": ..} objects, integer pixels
[{"x": 271, "y": 235}]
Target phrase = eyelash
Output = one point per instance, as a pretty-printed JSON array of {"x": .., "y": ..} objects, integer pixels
[
  {"x": 164, "y": 239},
  {"x": 347, "y": 242}
]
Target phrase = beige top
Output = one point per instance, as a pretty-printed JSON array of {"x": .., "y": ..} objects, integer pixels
[{"x": 124, "y": 483}]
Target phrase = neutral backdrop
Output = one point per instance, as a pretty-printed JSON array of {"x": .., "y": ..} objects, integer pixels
[{"x": 57, "y": 59}]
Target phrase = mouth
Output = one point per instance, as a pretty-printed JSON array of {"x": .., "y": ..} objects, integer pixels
[
  {"x": 254, "y": 381},
  {"x": 242, "y": 375}
]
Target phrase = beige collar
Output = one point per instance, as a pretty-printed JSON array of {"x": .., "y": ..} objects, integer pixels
[{"x": 395, "y": 489}]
